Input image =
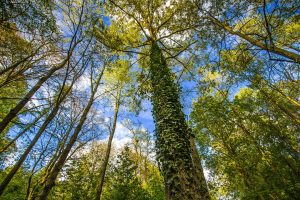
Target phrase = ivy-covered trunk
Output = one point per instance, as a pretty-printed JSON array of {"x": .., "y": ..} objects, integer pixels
[{"x": 172, "y": 133}]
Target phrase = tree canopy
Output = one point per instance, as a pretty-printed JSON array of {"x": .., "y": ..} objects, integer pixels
[{"x": 149, "y": 100}]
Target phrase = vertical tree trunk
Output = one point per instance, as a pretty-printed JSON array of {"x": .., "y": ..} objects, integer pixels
[
  {"x": 50, "y": 181},
  {"x": 46, "y": 172},
  {"x": 107, "y": 153},
  {"x": 172, "y": 134},
  {"x": 62, "y": 96},
  {"x": 14, "y": 111}
]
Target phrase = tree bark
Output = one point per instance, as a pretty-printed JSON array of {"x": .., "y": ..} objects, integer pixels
[
  {"x": 19, "y": 163},
  {"x": 43, "y": 177},
  {"x": 174, "y": 150},
  {"x": 28, "y": 127},
  {"x": 199, "y": 170}
]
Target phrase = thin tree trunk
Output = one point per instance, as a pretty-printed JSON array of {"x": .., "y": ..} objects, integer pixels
[
  {"x": 43, "y": 177},
  {"x": 282, "y": 108},
  {"x": 19, "y": 62},
  {"x": 108, "y": 150},
  {"x": 61, "y": 97},
  {"x": 50, "y": 181},
  {"x": 19, "y": 163},
  {"x": 14, "y": 111},
  {"x": 33, "y": 169},
  {"x": 23, "y": 131},
  {"x": 172, "y": 133}
]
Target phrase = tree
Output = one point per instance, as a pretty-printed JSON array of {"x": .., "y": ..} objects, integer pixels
[
  {"x": 254, "y": 144},
  {"x": 117, "y": 76},
  {"x": 82, "y": 173},
  {"x": 124, "y": 184},
  {"x": 16, "y": 189},
  {"x": 152, "y": 20},
  {"x": 222, "y": 78},
  {"x": 50, "y": 180}
]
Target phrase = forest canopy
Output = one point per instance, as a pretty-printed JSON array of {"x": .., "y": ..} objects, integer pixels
[{"x": 149, "y": 100}]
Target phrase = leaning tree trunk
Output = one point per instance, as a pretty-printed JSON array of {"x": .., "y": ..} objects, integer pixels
[
  {"x": 172, "y": 133},
  {"x": 23, "y": 157},
  {"x": 50, "y": 180},
  {"x": 14, "y": 111}
]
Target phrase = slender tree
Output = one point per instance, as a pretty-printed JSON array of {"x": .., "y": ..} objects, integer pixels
[
  {"x": 50, "y": 180},
  {"x": 116, "y": 77}
]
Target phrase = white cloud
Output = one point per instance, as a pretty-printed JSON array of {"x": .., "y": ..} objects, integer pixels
[
  {"x": 83, "y": 83},
  {"x": 121, "y": 138},
  {"x": 122, "y": 132}
]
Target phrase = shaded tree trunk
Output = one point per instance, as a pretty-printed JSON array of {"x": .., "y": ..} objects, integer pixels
[
  {"x": 43, "y": 177},
  {"x": 28, "y": 127},
  {"x": 199, "y": 170},
  {"x": 174, "y": 150},
  {"x": 19, "y": 163}
]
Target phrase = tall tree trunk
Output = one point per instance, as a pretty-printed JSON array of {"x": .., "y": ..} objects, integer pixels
[
  {"x": 50, "y": 181},
  {"x": 46, "y": 172},
  {"x": 61, "y": 97},
  {"x": 172, "y": 133},
  {"x": 107, "y": 153},
  {"x": 199, "y": 170},
  {"x": 34, "y": 167}
]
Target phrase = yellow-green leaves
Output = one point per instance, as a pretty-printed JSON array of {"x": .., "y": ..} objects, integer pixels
[
  {"x": 118, "y": 73},
  {"x": 289, "y": 32},
  {"x": 237, "y": 59},
  {"x": 211, "y": 76},
  {"x": 271, "y": 29},
  {"x": 244, "y": 92},
  {"x": 12, "y": 43},
  {"x": 250, "y": 25},
  {"x": 122, "y": 34}
]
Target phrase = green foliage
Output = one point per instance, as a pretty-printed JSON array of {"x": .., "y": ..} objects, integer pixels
[
  {"x": 154, "y": 184},
  {"x": 237, "y": 59},
  {"x": 249, "y": 147},
  {"x": 122, "y": 181},
  {"x": 172, "y": 133},
  {"x": 9, "y": 97},
  {"x": 16, "y": 190},
  {"x": 245, "y": 119},
  {"x": 82, "y": 175},
  {"x": 123, "y": 184},
  {"x": 36, "y": 16},
  {"x": 118, "y": 73}
]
